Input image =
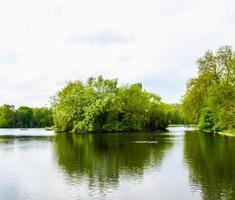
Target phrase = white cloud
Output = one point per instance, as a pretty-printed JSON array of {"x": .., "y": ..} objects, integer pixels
[
  {"x": 45, "y": 43},
  {"x": 102, "y": 38}
]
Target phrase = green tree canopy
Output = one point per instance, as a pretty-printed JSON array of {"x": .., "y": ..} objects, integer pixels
[
  {"x": 42, "y": 117},
  {"x": 25, "y": 117},
  {"x": 7, "y": 116},
  {"x": 100, "y": 105},
  {"x": 211, "y": 95}
]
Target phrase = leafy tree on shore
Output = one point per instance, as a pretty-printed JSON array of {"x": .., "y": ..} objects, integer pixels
[
  {"x": 210, "y": 97},
  {"x": 176, "y": 114},
  {"x": 42, "y": 117},
  {"x": 7, "y": 116},
  {"x": 24, "y": 117}
]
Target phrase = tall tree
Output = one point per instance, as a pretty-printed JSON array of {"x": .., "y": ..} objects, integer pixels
[
  {"x": 212, "y": 93},
  {"x": 7, "y": 116},
  {"x": 24, "y": 117}
]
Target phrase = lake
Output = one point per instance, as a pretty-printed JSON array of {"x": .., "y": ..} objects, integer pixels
[{"x": 179, "y": 164}]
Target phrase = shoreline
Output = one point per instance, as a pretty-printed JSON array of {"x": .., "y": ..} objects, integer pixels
[
  {"x": 223, "y": 133},
  {"x": 227, "y": 133}
]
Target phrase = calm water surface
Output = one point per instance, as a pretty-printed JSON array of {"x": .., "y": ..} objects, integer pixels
[{"x": 179, "y": 164}]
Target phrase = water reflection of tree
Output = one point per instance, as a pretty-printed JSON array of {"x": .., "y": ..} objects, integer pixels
[
  {"x": 104, "y": 158},
  {"x": 211, "y": 160}
]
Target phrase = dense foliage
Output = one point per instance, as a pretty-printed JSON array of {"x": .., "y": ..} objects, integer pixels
[
  {"x": 7, "y": 116},
  {"x": 210, "y": 97},
  {"x": 25, "y": 117},
  {"x": 176, "y": 114},
  {"x": 99, "y": 105}
]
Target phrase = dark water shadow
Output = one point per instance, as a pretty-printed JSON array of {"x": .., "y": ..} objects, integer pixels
[
  {"x": 211, "y": 163},
  {"x": 105, "y": 158}
]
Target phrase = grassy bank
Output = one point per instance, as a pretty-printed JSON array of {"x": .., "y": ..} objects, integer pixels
[{"x": 228, "y": 132}]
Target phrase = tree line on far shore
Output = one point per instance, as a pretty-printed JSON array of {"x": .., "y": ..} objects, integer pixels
[
  {"x": 25, "y": 117},
  {"x": 96, "y": 106}
]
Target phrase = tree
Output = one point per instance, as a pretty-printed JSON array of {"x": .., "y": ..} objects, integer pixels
[
  {"x": 176, "y": 114},
  {"x": 213, "y": 89},
  {"x": 7, "y": 116},
  {"x": 24, "y": 117},
  {"x": 42, "y": 117}
]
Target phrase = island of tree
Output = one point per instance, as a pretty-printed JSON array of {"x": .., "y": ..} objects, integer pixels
[{"x": 100, "y": 105}]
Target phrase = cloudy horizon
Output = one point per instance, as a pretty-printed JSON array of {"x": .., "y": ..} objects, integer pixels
[{"x": 46, "y": 43}]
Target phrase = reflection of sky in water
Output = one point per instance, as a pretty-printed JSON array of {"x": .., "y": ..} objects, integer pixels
[{"x": 25, "y": 132}]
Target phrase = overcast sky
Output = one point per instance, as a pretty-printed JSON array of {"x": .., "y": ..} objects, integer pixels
[{"x": 44, "y": 43}]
